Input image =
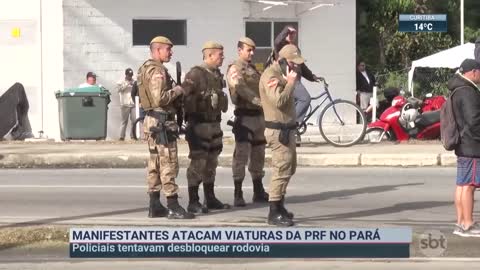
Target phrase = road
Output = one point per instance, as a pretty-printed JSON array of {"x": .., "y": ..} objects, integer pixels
[{"x": 420, "y": 198}]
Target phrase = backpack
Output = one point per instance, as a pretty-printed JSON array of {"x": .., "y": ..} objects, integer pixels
[{"x": 449, "y": 133}]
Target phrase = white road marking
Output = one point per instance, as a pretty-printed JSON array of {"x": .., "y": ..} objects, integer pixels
[{"x": 97, "y": 186}]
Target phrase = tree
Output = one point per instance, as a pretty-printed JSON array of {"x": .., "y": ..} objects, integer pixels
[
  {"x": 383, "y": 17},
  {"x": 472, "y": 13},
  {"x": 471, "y": 34},
  {"x": 394, "y": 50},
  {"x": 405, "y": 47}
]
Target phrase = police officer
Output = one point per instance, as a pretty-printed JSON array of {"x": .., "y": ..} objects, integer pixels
[
  {"x": 203, "y": 107},
  {"x": 161, "y": 130},
  {"x": 249, "y": 126},
  {"x": 276, "y": 88}
]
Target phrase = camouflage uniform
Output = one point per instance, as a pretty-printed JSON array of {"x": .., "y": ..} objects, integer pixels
[
  {"x": 157, "y": 98},
  {"x": 203, "y": 108},
  {"x": 279, "y": 109},
  {"x": 163, "y": 162},
  {"x": 248, "y": 128}
]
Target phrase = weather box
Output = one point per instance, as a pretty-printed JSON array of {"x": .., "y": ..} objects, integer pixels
[{"x": 422, "y": 23}]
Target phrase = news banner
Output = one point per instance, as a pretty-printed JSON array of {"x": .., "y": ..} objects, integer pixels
[
  {"x": 153, "y": 242},
  {"x": 422, "y": 23}
]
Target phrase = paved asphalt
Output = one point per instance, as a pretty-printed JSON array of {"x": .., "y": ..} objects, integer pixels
[{"x": 420, "y": 198}]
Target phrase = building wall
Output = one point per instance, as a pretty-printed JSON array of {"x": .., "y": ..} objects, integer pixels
[
  {"x": 71, "y": 37},
  {"x": 98, "y": 37},
  {"x": 328, "y": 43},
  {"x": 34, "y": 56},
  {"x": 52, "y": 63},
  {"x": 326, "y": 39}
]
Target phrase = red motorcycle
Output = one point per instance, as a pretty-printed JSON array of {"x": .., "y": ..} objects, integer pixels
[{"x": 408, "y": 118}]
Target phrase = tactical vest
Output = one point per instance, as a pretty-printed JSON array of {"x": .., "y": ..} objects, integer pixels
[
  {"x": 252, "y": 78},
  {"x": 146, "y": 94},
  {"x": 210, "y": 100}
]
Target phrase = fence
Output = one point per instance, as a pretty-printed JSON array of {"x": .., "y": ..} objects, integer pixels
[{"x": 425, "y": 80}]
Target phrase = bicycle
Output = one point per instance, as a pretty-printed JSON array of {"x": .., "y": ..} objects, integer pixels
[{"x": 337, "y": 117}]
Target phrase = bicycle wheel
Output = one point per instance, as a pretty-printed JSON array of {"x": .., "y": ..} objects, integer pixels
[
  {"x": 342, "y": 123},
  {"x": 376, "y": 135},
  {"x": 138, "y": 123}
]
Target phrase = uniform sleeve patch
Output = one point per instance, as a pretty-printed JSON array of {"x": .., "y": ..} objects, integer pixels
[
  {"x": 157, "y": 75},
  {"x": 272, "y": 83},
  {"x": 233, "y": 74}
]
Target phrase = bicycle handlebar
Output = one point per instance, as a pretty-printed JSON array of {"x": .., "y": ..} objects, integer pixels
[
  {"x": 324, "y": 81},
  {"x": 325, "y": 84}
]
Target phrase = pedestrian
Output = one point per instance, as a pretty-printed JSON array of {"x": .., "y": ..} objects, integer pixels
[
  {"x": 161, "y": 130},
  {"x": 277, "y": 85},
  {"x": 90, "y": 81},
  {"x": 127, "y": 107},
  {"x": 466, "y": 110},
  {"x": 301, "y": 96},
  {"x": 477, "y": 49},
  {"x": 365, "y": 83},
  {"x": 249, "y": 125},
  {"x": 203, "y": 107}
]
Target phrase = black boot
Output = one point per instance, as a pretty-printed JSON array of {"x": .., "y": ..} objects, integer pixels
[
  {"x": 238, "y": 200},
  {"x": 259, "y": 194},
  {"x": 211, "y": 202},
  {"x": 282, "y": 208},
  {"x": 194, "y": 205},
  {"x": 156, "y": 209},
  {"x": 175, "y": 211},
  {"x": 277, "y": 217}
]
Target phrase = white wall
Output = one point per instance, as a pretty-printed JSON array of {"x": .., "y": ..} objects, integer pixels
[
  {"x": 35, "y": 58},
  {"x": 328, "y": 43},
  {"x": 254, "y": 10},
  {"x": 21, "y": 56},
  {"x": 52, "y": 64}
]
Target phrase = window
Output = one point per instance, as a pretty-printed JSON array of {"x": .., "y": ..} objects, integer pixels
[
  {"x": 143, "y": 31},
  {"x": 278, "y": 27},
  {"x": 263, "y": 33},
  {"x": 260, "y": 32}
]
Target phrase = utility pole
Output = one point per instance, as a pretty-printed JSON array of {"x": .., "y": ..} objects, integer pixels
[{"x": 462, "y": 26}]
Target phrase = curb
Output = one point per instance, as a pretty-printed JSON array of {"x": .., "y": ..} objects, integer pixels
[{"x": 84, "y": 160}]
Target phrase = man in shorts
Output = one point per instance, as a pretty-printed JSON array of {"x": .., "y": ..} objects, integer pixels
[{"x": 466, "y": 109}]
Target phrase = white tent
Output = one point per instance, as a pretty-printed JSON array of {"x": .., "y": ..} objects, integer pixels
[{"x": 449, "y": 58}]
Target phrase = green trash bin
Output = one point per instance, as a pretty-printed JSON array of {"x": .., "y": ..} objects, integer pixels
[{"x": 83, "y": 113}]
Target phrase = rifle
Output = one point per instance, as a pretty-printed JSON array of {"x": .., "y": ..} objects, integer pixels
[
  {"x": 179, "y": 102},
  {"x": 160, "y": 131}
]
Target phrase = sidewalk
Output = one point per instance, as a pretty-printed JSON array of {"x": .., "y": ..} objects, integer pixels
[{"x": 131, "y": 154}]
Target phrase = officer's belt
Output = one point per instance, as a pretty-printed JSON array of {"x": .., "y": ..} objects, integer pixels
[
  {"x": 281, "y": 126},
  {"x": 247, "y": 112},
  {"x": 204, "y": 117},
  {"x": 161, "y": 115}
]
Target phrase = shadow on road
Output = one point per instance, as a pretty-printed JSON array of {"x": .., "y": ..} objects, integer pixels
[
  {"x": 345, "y": 193},
  {"x": 400, "y": 207},
  {"x": 324, "y": 196}
]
